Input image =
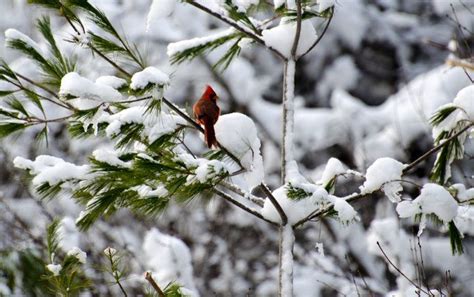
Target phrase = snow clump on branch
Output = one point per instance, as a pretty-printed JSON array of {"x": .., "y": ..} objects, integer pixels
[
  {"x": 281, "y": 37},
  {"x": 74, "y": 85},
  {"x": 237, "y": 133},
  {"x": 149, "y": 76},
  {"x": 385, "y": 174},
  {"x": 52, "y": 170},
  {"x": 433, "y": 199}
]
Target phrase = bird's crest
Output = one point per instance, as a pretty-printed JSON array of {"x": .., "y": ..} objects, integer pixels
[{"x": 209, "y": 93}]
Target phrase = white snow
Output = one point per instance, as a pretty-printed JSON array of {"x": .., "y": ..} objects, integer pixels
[
  {"x": 159, "y": 9},
  {"x": 345, "y": 211},
  {"x": 207, "y": 170},
  {"x": 282, "y": 37},
  {"x": 319, "y": 248},
  {"x": 111, "y": 81},
  {"x": 278, "y": 3},
  {"x": 385, "y": 174},
  {"x": 110, "y": 251},
  {"x": 433, "y": 199},
  {"x": 169, "y": 259},
  {"x": 72, "y": 84},
  {"x": 51, "y": 170},
  {"x": 12, "y": 34},
  {"x": 180, "y": 46},
  {"x": 465, "y": 219},
  {"x": 110, "y": 157},
  {"x": 333, "y": 168},
  {"x": 465, "y": 111},
  {"x": 155, "y": 125},
  {"x": 295, "y": 210},
  {"x": 243, "y": 5},
  {"x": 54, "y": 268},
  {"x": 463, "y": 194},
  {"x": 80, "y": 255},
  {"x": 331, "y": 79},
  {"x": 147, "y": 192},
  {"x": 149, "y": 75},
  {"x": 464, "y": 100},
  {"x": 238, "y": 134},
  {"x": 325, "y": 4}
]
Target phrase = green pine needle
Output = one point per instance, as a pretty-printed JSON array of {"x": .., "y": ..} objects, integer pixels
[
  {"x": 296, "y": 193},
  {"x": 52, "y": 237},
  {"x": 455, "y": 238}
]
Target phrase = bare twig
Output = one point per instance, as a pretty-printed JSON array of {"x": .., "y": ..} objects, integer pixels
[
  {"x": 134, "y": 100},
  {"x": 322, "y": 33},
  {"x": 400, "y": 272},
  {"x": 103, "y": 56},
  {"x": 281, "y": 212},
  {"x": 294, "y": 48},
  {"x": 243, "y": 207},
  {"x": 236, "y": 189},
  {"x": 460, "y": 63},
  {"x": 155, "y": 286},
  {"x": 435, "y": 149},
  {"x": 352, "y": 275}
]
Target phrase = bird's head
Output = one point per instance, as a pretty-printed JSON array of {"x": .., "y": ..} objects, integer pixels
[{"x": 210, "y": 94}]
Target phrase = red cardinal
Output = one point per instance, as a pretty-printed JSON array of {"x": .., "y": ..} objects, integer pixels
[{"x": 206, "y": 113}]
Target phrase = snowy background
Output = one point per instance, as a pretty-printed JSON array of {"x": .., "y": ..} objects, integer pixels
[{"x": 366, "y": 91}]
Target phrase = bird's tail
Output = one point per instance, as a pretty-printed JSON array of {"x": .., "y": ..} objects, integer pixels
[{"x": 209, "y": 133}]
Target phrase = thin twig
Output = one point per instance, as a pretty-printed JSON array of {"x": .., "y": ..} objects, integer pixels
[
  {"x": 321, "y": 212},
  {"x": 23, "y": 88},
  {"x": 243, "y": 207},
  {"x": 36, "y": 121},
  {"x": 460, "y": 63},
  {"x": 36, "y": 84},
  {"x": 155, "y": 286},
  {"x": 322, "y": 34},
  {"x": 294, "y": 48},
  {"x": 134, "y": 100},
  {"x": 400, "y": 272},
  {"x": 422, "y": 264},
  {"x": 115, "y": 65},
  {"x": 352, "y": 275},
  {"x": 434, "y": 149},
  {"x": 281, "y": 212},
  {"x": 236, "y": 189}
]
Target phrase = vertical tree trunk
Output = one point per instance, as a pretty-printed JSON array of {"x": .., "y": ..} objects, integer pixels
[
  {"x": 288, "y": 117},
  {"x": 285, "y": 267}
]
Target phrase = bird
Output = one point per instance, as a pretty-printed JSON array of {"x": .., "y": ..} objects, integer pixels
[{"x": 206, "y": 112}]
